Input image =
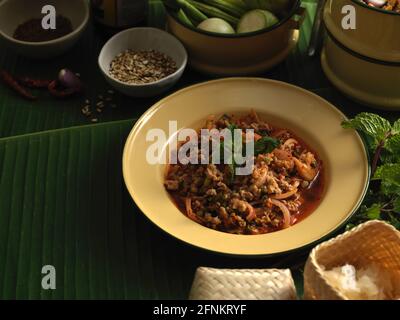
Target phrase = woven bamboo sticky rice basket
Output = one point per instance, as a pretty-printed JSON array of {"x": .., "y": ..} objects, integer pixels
[
  {"x": 372, "y": 243},
  {"x": 242, "y": 284}
]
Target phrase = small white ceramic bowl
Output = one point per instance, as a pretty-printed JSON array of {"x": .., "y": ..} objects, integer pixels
[
  {"x": 143, "y": 39},
  {"x": 15, "y": 12}
]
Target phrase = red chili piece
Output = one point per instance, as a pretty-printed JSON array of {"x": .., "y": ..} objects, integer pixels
[
  {"x": 61, "y": 92},
  {"x": 34, "y": 83},
  {"x": 13, "y": 84}
]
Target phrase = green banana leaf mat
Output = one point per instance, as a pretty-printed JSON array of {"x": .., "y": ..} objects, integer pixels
[{"x": 62, "y": 197}]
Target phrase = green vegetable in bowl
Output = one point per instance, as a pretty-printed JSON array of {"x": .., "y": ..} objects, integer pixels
[
  {"x": 191, "y": 10},
  {"x": 214, "y": 12},
  {"x": 216, "y": 25},
  {"x": 235, "y": 13},
  {"x": 275, "y": 6},
  {"x": 256, "y": 20},
  {"x": 184, "y": 18},
  {"x": 239, "y": 4},
  {"x": 226, "y": 6}
]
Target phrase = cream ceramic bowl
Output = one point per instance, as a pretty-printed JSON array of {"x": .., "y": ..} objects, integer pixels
[
  {"x": 245, "y": 54},
  {"x": 376, "y": 34},
  {"x": 15, "y": 12},
  {"x": 143, "y": 39},
  {"x": 368, "y": 81},
  {"x": 312, "y": 118}
]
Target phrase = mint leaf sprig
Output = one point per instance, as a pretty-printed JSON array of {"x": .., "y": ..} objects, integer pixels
[
  {"x": 265, "y": 144},
  {"x": 383, "y": 198},
  {"x": 379, "y": 133}
]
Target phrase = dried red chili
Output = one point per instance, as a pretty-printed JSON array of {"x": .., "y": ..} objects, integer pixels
[
  {"x": 9, "y": 80},
  {"x": 34, "y": 83},
  {"x": 55, "y": 87}
]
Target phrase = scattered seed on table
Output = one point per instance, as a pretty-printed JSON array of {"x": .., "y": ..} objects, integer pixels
[
  {"x": 141, "y": 67},
  {"x": 104, "y": 100},
  {"x": 86, "y": 110}
]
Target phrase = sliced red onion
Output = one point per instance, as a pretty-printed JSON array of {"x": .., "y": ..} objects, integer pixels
[
  {"x": 284, "y": 195},
  {"x": 285, "y": 211}
]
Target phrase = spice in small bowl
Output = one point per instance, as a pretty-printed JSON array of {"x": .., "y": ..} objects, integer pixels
[
  {"x": 142, "y": 62},
  {"x": 142, "y": 67},
  {"x": 32, "y": 30},
  {"x": 21, "y": 27}
]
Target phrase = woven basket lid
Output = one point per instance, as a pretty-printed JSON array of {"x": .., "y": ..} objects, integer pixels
[{"x": 242, "y": 284}]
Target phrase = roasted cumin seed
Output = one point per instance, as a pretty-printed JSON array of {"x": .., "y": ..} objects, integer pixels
[{"x": 141, "y": 67}]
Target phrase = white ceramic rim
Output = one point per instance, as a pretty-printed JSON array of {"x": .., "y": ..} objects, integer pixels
[
  {"x": 216, "y": 234},
  {"x": 164, "y": 33},
  {"x": 55, "y": 41}
]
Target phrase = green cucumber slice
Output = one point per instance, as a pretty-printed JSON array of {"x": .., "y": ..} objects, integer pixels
[{"x": 255, "y": 20}]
